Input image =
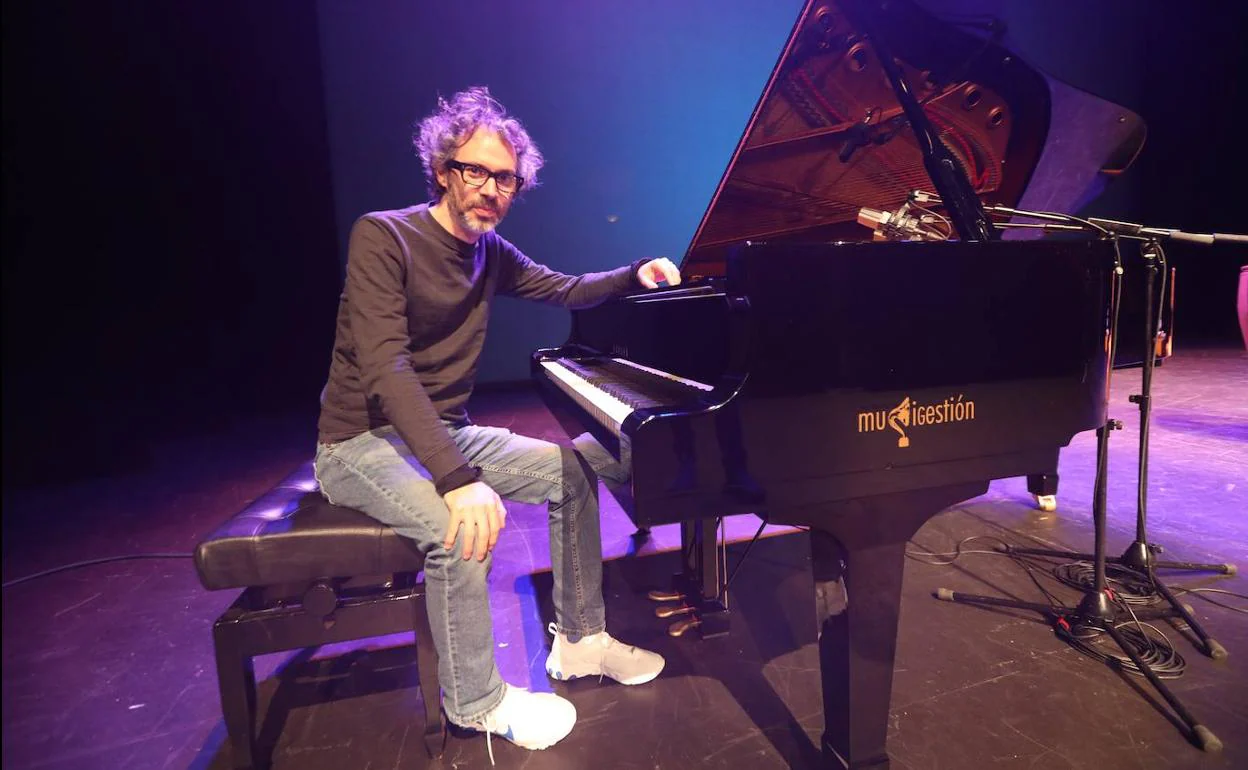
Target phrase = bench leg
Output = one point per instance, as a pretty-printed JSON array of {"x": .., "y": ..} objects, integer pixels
[
  {"x": 427, "y": 669},
  {"x": 236, "y": 679}
]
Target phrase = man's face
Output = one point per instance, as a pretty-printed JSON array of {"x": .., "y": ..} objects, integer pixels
[{"x": 479, "y": 209}]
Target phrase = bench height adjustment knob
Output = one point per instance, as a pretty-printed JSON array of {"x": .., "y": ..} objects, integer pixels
[{"x": 320, "y": 599}]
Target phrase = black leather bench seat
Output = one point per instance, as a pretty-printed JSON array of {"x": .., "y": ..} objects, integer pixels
[
  {"x": 292, "y": 534},
  {"x": 312, "y": 573}
]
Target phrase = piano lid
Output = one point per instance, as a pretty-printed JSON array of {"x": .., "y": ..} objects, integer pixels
[{"x": 829, "y": 136}]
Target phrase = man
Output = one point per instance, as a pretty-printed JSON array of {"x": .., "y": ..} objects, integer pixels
[{"x": 395, "y": 440}]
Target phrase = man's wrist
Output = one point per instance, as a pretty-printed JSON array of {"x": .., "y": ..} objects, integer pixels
[
  {"x": 460, "y": 477},
  {"x": 634, "y": 281}
]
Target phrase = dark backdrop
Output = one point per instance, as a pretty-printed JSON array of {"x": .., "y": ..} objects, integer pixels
[
  {"x": 169, "y": 248},
  {"x": 178, "y": 178}
]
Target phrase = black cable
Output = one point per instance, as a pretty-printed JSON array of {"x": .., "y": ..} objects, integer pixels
[
  {"x": 1128, "y": 585},
  {"x": 1200, "y": 591},
  {"x": 90, "y": 562},
  {"x": 1156, "y": 652},
  {"x": 1019, "y": 559}
]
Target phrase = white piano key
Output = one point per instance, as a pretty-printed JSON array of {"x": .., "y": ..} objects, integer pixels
[{"x": 609, "y": 406}]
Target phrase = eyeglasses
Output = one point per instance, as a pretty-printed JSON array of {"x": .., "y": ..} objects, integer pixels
[{"x": 507, "y": 182}]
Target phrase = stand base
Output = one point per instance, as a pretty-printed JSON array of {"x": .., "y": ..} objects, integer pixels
[
  {"x": 1096, "y": 611},
  {"x": 1142, "y": 558}
]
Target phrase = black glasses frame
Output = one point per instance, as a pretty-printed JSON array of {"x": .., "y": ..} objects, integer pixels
[{"x": 497, "y": 176}]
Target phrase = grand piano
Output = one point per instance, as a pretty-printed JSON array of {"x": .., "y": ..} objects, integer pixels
[{"x": 820, "y": 373}]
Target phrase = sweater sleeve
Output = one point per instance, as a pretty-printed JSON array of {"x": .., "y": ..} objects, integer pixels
[
  {"x": 377, "y": 306},
  {"x": 523, "y": 278}
]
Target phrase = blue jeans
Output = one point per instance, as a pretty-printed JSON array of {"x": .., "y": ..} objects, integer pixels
[{"x": 376, "y": 473}]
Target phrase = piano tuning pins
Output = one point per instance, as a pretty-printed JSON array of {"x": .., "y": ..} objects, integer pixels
[
  {"x": 971, "y": 97},
  {"x": 857, "y": 58}
]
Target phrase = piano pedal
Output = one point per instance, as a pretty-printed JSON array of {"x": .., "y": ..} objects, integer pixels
[
  {"x": 665, "y": 596},
  {"x": 669, "y": 611},
  {"x": 679, "y": 628},
  {"x": 1047, "y": 503}
]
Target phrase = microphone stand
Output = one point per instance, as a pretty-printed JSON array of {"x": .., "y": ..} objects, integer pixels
[
  {"x": 1098, "y": 610},
  {"x": 1141, "y": 555}
]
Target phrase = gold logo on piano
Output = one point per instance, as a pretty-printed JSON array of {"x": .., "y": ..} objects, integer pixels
[{"x": 909, "y": 414}]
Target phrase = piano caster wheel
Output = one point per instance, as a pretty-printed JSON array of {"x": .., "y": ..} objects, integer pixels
[
  {"x": 672, "y": 611},
  {"x": 679, "y": 628},
  {"x": 642, "y": 532},
  {"x": 665, "y": 596},
  {"x": 1047, "y": 503}
]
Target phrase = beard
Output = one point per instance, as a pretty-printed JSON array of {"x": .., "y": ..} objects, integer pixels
[{"x": 463, "y": 206}]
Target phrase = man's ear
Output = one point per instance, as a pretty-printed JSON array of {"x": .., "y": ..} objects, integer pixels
[{"x": 441, "y": 177}]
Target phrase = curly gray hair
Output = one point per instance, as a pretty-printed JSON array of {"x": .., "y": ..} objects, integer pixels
[{"x": 438, "y": 136}]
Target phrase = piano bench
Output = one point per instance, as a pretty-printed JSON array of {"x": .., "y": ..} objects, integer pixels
[{"x": 312, "y": 573}]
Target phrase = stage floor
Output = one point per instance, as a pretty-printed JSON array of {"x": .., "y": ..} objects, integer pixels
[{"x": 111, "y": 666}]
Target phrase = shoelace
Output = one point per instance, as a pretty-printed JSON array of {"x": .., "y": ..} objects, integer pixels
[{"x": 489, "y": 745}]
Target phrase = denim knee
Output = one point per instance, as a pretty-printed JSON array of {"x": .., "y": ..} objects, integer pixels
[
  {"x": 451, "y": 565},
  {"x": 577, "y": 478}
]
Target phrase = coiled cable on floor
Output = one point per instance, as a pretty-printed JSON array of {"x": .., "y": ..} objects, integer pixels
[
  {"x": 1154, "y": 649},
  {"x": 1129, "y": 586}
]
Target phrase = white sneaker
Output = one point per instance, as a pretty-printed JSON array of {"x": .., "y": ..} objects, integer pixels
[
  {"x": 601, "y": 655},
  {"x": 531, "y": 720}
]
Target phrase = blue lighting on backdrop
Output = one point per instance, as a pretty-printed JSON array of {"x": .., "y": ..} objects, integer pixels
[{"x": 637, "y": 107}]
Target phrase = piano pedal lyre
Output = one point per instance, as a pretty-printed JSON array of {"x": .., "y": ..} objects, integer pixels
[{"x": 695, "y": 597}]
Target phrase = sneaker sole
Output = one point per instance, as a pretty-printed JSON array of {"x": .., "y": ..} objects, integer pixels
[
  {"x": 529, "y": 746},
  {"x": 640, "y": 679}
]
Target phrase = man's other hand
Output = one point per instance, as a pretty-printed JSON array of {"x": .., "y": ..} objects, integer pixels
[
  {"x": 479, "y": 510},
  {"x": 661, "y": 269}
]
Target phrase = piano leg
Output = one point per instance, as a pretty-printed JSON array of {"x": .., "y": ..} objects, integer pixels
[
  {"x": 857, "y": 565},
  {"x": 856, "y": 650},
  {"x": 1043, "y": 486}
]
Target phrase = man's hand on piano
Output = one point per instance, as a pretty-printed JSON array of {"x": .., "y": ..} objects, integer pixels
[
  {"x": 479, "y": 510},
  {"x": 656, "y": 270}
]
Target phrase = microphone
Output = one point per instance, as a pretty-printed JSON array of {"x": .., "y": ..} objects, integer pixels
[
  {"x": 1137, "y": 230},
  {"x": 901, "y": 225},
  {"x": 1066, "y": 222}
]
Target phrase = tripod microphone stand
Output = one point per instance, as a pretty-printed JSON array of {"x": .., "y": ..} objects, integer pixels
[
  {"x": 1097, "y": 611},
  {"x": 1141, "y": 556}
]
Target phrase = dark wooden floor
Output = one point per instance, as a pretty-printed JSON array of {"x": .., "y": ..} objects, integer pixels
[{"x": 110, "y": 666}]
